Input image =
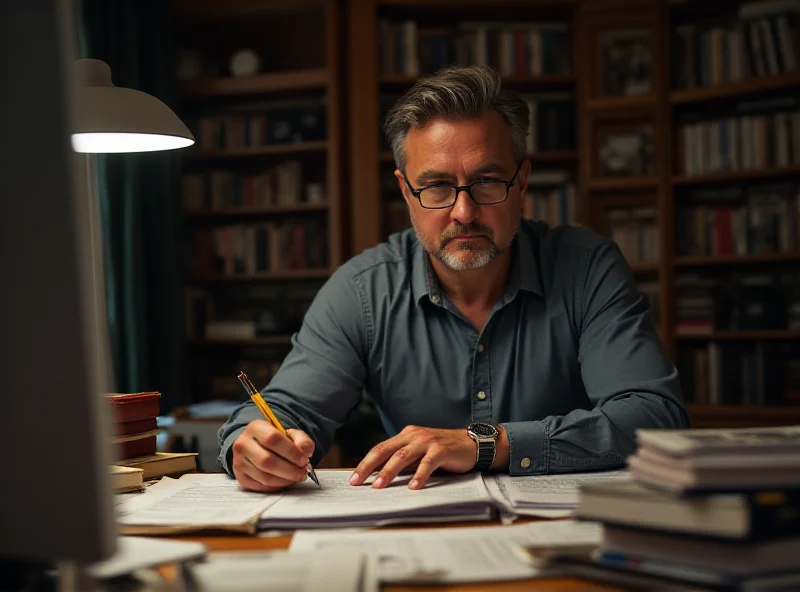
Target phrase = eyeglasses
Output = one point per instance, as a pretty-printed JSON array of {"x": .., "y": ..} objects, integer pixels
[{"x": 484, "y": 192}]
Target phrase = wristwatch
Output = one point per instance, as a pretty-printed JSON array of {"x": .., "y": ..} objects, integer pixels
[{"x": 485, "y": 436}]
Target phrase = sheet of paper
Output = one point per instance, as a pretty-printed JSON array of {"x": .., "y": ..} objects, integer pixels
[
  {"x": 554, "y": 491},
  {"x": 201, "y": 499},
  {"x": 332, "y": 570},
  {"x": 338, "y": 498},
  {"x": 510, "y": 513},
  {"x": 140, "y": 552},
  {"x": 451, "y": 555}
]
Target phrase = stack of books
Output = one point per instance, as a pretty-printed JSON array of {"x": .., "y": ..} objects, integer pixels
[
  {"x": 135, "y": 428},
  {"x": 718, "y": 508},
  {"x": 135, "y": 423}
]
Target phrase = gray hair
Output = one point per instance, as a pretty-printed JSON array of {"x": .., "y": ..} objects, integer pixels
[{"x": 456, "y": 93}]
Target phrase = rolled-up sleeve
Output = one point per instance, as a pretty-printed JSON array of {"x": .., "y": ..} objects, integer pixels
[
  {"x": 630, "y": 381},
  {"x": 322, "y": 377}
]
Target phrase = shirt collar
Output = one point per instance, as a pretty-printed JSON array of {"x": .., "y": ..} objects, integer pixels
[{"x": 524, "y": 271}]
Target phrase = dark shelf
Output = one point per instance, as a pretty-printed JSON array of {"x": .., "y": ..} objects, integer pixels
[
  {"x": 734, "y": 176},
  {"x": 735, "y": 259},
  {"x": 775, "y": 335},
  {"x": 277, "y": 149},
  {"x": 267, "y": 340},
  {"x": 734, "y": 89},
  {"x": 257, "y": 84},
  {"x": 287, "y": 274},
  {"x": 241, "y": 212}
]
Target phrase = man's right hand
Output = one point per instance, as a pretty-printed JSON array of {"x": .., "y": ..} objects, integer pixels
[{"x": 266, "y": 460}]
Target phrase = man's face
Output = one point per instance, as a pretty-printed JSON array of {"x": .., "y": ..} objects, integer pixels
[{"x": 466, "y": 235}]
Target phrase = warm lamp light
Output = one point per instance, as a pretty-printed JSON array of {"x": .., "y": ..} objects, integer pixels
[{"x": 109, "y": 118}]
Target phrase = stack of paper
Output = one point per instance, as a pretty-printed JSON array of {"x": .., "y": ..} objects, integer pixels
[
  {"x": 452, "y": 555},
  {"x": 216, "y": 502},
  {"x": 332, "y": 570},
  {"x": 195, "y": 502},
  {"x": 338, "y": 504},
  {"x": 549, "y": 496}
]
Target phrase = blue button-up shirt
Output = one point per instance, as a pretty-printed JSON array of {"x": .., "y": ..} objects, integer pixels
[{"x": 569, "y": 361}]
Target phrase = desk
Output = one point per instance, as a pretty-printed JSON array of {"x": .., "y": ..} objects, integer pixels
[{"x": 251, "y": 543}]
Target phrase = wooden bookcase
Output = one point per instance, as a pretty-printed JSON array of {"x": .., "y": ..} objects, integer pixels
[
  {"x": 643, "y": 110},
  {"x": 299, "y": 45},
  {"x": 669, "y": 189}
]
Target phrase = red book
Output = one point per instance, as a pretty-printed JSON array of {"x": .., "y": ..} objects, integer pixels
[
  {"x": 134, "y": 406},
  {"x": 138, "y": 426},
  {"x": 134, "y": 448}
]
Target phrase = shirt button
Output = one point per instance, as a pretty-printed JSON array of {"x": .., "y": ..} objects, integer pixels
[
  {"x": 525, "y": 462},
  {"x": 435, "y": 299},
  {"x": 481, "y": 395},
  {"x": 480, "y": 347}
]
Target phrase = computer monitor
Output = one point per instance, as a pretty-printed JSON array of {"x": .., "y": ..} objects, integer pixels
[{"x": 55, "y": 498}]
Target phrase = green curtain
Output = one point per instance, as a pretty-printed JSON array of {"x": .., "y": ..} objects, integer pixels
[{"x": 139, "y": 203}]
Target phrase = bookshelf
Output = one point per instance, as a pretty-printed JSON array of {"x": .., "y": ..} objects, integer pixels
[
  {"x": 380, "y": 65},
  {"x": 261, "y": 190},
  {"x": 726, "y": 238}
]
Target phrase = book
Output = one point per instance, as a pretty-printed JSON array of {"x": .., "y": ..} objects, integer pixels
[
  {"x": 746, "y": 516},
  {"x": 124, "y": 479},
  {"x": 728, "y": 557},
  {"x": 133, "y": 406},
  {"x": 717, "y": 459},
  {"x": 722, "y": 442},
  {"x": 160, "y": 464},
  {"x": 134, "y": 445},
  {"x": 138, "y": 426}
]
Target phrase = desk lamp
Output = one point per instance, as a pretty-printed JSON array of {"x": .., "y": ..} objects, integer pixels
[{"x": 111, "y": 119}]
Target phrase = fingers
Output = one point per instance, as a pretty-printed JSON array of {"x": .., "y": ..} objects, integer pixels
[
  {"x": 429, "y": 463},
  {"x": 251, "y": 484},
  {"x": 302, "y": 441},
  {"x": 271, "y": 439},
  {"x": 375, "y": 458},
  {"x": 398, "y": 461},
  {"x": 273, "y": 465},
  {"x": 258, "y": 461}
]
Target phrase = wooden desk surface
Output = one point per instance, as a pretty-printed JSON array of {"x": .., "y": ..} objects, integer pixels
[{"x": 253, "y": 543}]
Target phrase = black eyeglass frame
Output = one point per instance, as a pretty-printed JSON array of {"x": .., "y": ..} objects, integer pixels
[{"x": 468, "y": 188}]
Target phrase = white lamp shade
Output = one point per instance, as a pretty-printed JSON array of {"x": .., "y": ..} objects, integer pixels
[{"x": 108, "y": 118}]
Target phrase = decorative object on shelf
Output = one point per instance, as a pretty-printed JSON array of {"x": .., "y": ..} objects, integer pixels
[
  {"x": 244, "y": 62},
  {"x": 189, "y": 65},
  {"x": 627, "y": 62},
  {"x": 625, "y": 150}
]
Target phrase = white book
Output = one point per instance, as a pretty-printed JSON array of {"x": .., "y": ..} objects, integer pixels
[{"x": 722, "y": 441}]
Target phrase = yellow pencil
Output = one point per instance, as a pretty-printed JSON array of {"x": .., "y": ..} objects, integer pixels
[{"x": 270, "y": 416}]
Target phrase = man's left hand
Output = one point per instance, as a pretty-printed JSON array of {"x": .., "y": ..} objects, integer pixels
[{"x": 452, "y": 450}]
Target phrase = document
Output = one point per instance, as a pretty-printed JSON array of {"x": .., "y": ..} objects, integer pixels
[
  {"x": 546, "y": 495},
  {"x": 339, "y": 504},
  {"x": 142, "y": 552},
  {"x": 452, "y": 555},
  {"x": 332, "y": 570},
  {"x": 201, "y": 501}
]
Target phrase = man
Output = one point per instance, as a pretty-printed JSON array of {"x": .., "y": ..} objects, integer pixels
[{"x": 489, "y": 343}]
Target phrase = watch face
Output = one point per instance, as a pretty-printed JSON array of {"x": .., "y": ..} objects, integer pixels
[{"x": 483, "y": 429}]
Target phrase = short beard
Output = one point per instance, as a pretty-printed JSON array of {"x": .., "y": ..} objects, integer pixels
[{"x": 480, "y": 256}]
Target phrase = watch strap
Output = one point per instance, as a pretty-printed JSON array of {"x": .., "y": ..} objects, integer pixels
[{"x": 486, "y": 454}]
